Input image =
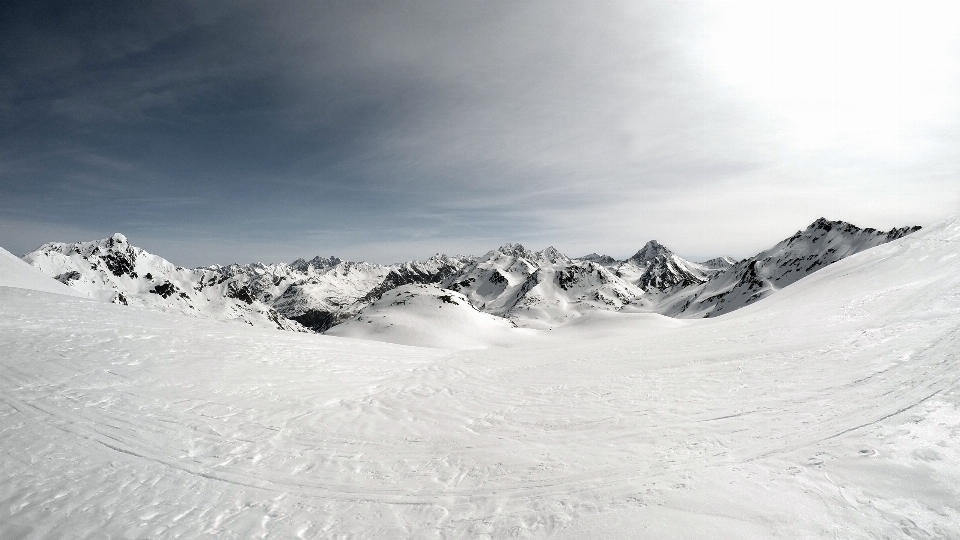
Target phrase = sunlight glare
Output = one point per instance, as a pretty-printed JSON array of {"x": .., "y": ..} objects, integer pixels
[{"x": 862, "y": 73}]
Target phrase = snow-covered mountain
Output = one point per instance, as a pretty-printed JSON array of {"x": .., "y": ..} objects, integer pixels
[
  {"x": 657, "y": 269},
  {"x": 719, "y": 263},
  {"x": 324, "y": 296},
  {"x": 605, "y": 260},
  {"x": 16, "y": 273},
  {"x": 540, "y": 288},
  {"x": 822, "y": 243},
  {"x": 114, "y": 271},
  {"x": 303, "y": 295},
  {"x": 830, "y": 409},
  {"x": 537, "y": 289}
]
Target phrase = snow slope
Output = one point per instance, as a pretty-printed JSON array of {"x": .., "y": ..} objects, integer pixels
[
  {"x": 16, "y": 273},
  {"x": 429, "y": 316},
  {"x": 820, "y": 244},
  {"x": 828, "y": 410}
]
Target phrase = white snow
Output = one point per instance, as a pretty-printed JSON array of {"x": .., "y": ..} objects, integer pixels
[
  {"x": 540, "y": 289},
  {"x": 265, "y": 295},
  {"x": 742, "y": 283},
  {"x": 428, "y": 316},
  {"x": 16, "y": 273},
  {"x": 828, "y": 410},
  {"x": 112, "y": 270}
]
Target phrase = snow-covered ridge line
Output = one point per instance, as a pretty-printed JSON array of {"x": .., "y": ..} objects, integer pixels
[
  {"x": 301, "y": 296},
  {"x": 532, "y": 288},
  {"x": 822, "y": 243}
]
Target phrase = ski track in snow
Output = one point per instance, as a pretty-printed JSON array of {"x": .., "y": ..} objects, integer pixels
[{"x": 829, "y": 410}]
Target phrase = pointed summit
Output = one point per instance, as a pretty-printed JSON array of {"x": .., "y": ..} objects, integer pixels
[
  {"x": 649, "y": 252},
  {"x": 551, "y": 255},
  {"x": 719, "y": 263},
  {"x": 825, "y": 224},
  {"x": 515, "y": 249}
]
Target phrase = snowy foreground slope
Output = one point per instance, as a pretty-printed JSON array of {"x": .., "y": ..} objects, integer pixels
[
  {"x": 428, "y": 316},
  {"x": 16, "y": 273},
  {"x": 828, "y": 410}
]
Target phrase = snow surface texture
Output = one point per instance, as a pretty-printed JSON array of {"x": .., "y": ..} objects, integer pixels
[
  {"x": 540, "y": 289},
  {"x": 827, "y": 410}
]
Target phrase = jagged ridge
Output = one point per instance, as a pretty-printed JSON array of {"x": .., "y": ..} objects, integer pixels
[{"x": 533, "y": 288}]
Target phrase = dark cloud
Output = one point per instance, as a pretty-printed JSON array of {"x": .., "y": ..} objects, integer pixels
[{"x": 270, "y": 130}]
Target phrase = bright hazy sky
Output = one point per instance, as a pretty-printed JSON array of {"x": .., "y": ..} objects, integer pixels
[{"x": 384, "y": 131}]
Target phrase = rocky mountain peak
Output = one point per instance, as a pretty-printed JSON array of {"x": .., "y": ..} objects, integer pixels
[
  {"x": 827, "y": 225},
  {"x": 604, "y": 260},
  {"x": 515, "y": 249},
  {"x": 317, "y": 263},
  {"x": 552, "y": 255},
  {"x": 899, "y": 232},
  {"x": 650, "y": 251},
  {"x": 719, "y": 263}
]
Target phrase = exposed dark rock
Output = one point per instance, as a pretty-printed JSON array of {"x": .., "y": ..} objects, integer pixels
[
  {"x": 895, "y": 233},
  {"x": 447, "y": 299},
  {"x": 567, "y": 278},
  {"x": 406, "y": 275},
  {"x": 165, "y": 290},
  {"x": 240, "y": 293},
  {"x": 120, "y": 263},
  {"x": 317, "y": 320},
  {"x": 67, "y": 277}
]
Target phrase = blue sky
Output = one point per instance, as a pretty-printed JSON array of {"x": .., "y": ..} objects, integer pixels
[{"x": 233, "y": 132}]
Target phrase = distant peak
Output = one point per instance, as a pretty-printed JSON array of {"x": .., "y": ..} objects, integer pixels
[
  {"x": 552, "y": 255},
  {"x": 825, "y": 224},
  {"x": 514, "y": 249},
  {"x": 118, "y": 238},
  {"x": 331, "y": 260},
  {"x": 317, "y": 262},
  {"x": 719, "y": 263},
  {"x": 651, "y": 250},
  {"x": 598, "y": 258}
]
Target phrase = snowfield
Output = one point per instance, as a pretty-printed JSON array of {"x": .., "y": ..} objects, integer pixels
[
  {"x": 428, "y": 316},
  {"x": 827, "y": 410}
]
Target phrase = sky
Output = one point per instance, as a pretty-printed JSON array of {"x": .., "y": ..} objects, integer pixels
[{"x": 217, "y": 132}]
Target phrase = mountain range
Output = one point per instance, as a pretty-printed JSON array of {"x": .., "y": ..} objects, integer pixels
[
  {"x": 830, "y": 406},
  {"x": 537, "y": 289}
]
